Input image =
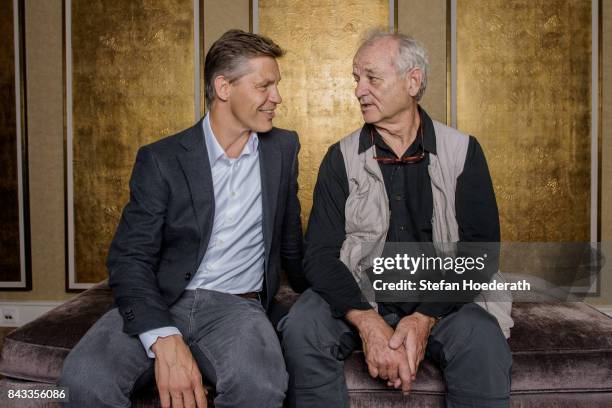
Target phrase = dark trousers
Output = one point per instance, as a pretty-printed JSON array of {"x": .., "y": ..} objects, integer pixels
[
  {"x": 468, "y": 346},
  {"x": 230, "y": 337}
]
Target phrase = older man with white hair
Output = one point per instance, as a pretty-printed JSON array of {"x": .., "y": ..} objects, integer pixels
[{"x": 401, "y": 178}]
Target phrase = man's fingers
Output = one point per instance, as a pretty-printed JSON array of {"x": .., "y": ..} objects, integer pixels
[
  {"x": 419, "y": 359},
  {"x": 395, "y": 384},
  {"x": 392, "y": 374},
  {"x": 200, "y": 395},
  {"x": 398, "y": 338},
  {"x": 411, "y": 353},
  {"x": 406, "y": 377},
  {"x": 189, "y": 399},
  {"x": 177, "y": 399},
  {"x": 164, "y": 398},
  {"x": 383, "y": 373},
  {"x": 372, "y": 370},
  {"x": 201, "y": 401},
  {"x": 161, "y": 378}
]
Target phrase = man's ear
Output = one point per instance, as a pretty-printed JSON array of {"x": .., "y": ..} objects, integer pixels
[
  {"x": 222, "y": 87},
  {"x": 414, "y": 78}
]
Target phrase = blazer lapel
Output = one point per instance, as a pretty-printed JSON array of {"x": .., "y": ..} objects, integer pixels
[
  {"x": 196, "y": 167},
  {"x": 270, "y": 166}
]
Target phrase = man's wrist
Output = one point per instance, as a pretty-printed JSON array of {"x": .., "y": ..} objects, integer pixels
[
  {"x": 149, "y": 337},
  {"x": 429, "y": 320},
  {"x": 164, "y": 340},
  {"x": 360, "y": 318}
]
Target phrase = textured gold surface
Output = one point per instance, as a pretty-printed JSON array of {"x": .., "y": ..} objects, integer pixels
[
  {"x": 133, "y": 82},
  {"x": 523, "y": 89},
  {"x": 218, "y": 17},
  {"x": 426, "y": 21},
  {"x": 9, "y": 193},
  {"x": 320, "y": 37}
]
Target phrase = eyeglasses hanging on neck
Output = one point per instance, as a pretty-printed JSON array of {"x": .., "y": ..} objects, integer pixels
[{"x": 405, "y": 159}]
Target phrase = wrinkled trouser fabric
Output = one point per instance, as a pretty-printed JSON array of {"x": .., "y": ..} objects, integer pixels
[
  {"x": 467, "y": 345},
  {"x": 230, "y": 337}
]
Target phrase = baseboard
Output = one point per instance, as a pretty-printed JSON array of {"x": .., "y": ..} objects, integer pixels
[
  {"x": 607, "y": 309},
  {"x": 18, "y": 313}
]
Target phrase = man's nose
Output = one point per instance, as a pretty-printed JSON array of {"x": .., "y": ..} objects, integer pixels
[
  {"x": 275, "y": 96},
  {"x": 361, "y": 89}
]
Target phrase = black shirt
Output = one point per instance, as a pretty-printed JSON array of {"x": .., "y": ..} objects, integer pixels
[{"x": 408, "y": 188}]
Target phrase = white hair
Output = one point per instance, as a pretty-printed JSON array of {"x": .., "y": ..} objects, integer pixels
[{"x": 411, "y": 54}]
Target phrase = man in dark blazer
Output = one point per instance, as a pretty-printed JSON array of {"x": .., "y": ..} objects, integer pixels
[{"x": 212, "y": 219}]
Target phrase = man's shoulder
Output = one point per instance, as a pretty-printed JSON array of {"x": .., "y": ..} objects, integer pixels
[
  {"x": 285, "y": 137},
  {"x": 444, "y": 131},
  {"x": 175, "y": 142},
  {"x": 354, "y": 134}
]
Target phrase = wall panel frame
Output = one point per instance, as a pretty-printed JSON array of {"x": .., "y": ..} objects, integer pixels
[
  {"x": 15, "y": 254},
  {"x": 562, "y": 40},
  {"x": 525, "y": 80},
  {"x": 317, "y": 87},
  {"x": 132, "y": 76},
  {"x": 141, "y": 66}
]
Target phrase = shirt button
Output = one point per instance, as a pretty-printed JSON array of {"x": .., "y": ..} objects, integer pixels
[
  {"x": 233, "y": 194},
  {"x": 402, "y": 228},
  {"x": 187, "y": 276},
  {"x": 221, "y": 242}
]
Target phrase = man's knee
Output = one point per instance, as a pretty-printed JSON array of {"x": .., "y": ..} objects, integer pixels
[
  {"x": 88, "y": 383},
  {"x": 252, "y": 384},
  {"x": 307, "y": 324},
  {"x": 483, "y": 336},
  {"x": 94, "y": 378},
  {"x": 310, "y": 340},
  {"x": 477, "y": 359}
]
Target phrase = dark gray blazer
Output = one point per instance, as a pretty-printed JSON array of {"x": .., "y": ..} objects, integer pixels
[{"x": 166, "y": 226}]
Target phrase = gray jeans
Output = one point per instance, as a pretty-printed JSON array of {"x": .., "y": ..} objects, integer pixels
[
  {"x": 468, "y": 345},
  {"x": 230, "y": 337}
]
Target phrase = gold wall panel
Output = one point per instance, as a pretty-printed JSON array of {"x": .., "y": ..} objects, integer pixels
[
  {"x": 320, "y": 37},
  {"x": 9, "y": 204},
  {"x": 218, "y": 17},
  {"x": 605, "y": 297},
  {"x": 426, "y": 21},
  {"x": 524, "y": 89},
  {"x": 133, "y": 82}
]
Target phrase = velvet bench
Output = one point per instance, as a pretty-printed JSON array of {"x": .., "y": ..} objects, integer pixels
[{"x": 562, "y": 357}]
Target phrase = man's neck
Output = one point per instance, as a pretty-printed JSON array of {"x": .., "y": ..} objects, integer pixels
[
  {"x": 399, "y": 133},
  {"x": 229, "y": 134}
]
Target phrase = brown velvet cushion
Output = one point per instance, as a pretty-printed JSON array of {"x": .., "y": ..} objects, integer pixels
[
  {"x": 557, "y": 348},
  {"x": 37, "y": 350}
]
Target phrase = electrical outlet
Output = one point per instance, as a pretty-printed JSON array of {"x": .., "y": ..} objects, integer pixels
[{"x": 9, "y": 316}]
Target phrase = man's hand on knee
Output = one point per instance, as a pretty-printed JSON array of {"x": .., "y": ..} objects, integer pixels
[
  {"x": 178, "y": 378},
  {"x": 411, "y": 335},
  {"x": 382, "y": 361}
]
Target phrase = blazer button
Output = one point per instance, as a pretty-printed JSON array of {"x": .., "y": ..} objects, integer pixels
[
  {"x": 188, "y": 276},
  {"x": 129, "y": 314}
]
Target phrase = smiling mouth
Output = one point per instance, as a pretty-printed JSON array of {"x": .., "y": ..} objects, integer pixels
[{"x": 268, "y": 112}]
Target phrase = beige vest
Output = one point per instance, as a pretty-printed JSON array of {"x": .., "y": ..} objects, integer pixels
[{"x": 367, "y": 212}]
